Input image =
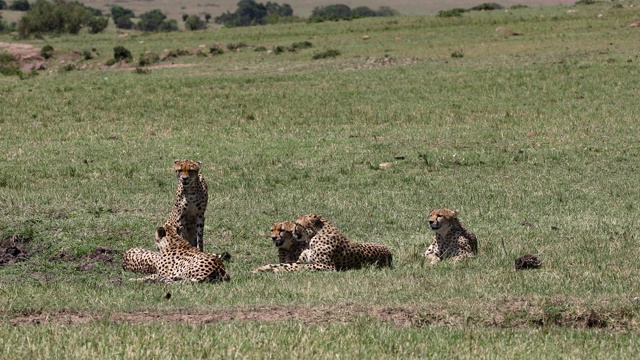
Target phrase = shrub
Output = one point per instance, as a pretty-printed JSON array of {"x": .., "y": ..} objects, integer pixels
[
  {"x": 3, "y": 4},
  {"x": 457, "y": 54},
  {"x": 185, "y": 17},
  {"x": 97, "y": 24},
  {"x": 46, "y": 51},
  {"x": 123, "y": 22},
  {"x": 87, "y": 54},
  {"x": 195, "y": 23},
  {"x": 301, "y": 45},
  {"x": 20, "y": 5},
  {"x": 121, "y": 53},
  {"x": 216, "y": 50},
  {"x": 260, "y": 49},
  {"x": 122, "y": 17},
  {"x": 331, "y": 53},
  {"x": 58, "y": 17},
  {"x": 451, "y": 13},
  {"x": 236, "y": 46},
  {"x": 387, "y": 11},
  {"x": 141, "y": 71},
  {"x": 154, "y": 20},
  {"x": 148, "y": 58},
  {"x": 68, "y": 67},
  {"x": 585, "y": 2},
  {"x": 330, "y": 12},
  {"x": 518, "y": 6},
  {"x": 486, "y": 7},
  {"x": 250, "y": 12},
  {"x": 278, "y": 49},
  {"x": 363, "y": 11}
]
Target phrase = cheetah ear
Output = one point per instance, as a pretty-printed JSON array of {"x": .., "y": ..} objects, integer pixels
[
  {"x": 199, "y": 163},
  {"x": 455, "y": 213},
  {"x": 161, "y": 232},
  {"x": 176, "y": 161}
]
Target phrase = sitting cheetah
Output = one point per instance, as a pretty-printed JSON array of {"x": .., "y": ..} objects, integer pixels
[
  {"x": 290, "y": 239},
  {"x": 451, "y": 240},
  {"x": 330, "y": 250},
  {"x": 176, "y": 260},
  {"x": 190, "y": 203}
]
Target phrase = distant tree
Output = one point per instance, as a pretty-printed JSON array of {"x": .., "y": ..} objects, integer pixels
[
  {"x": 207, "y": 17},
  {"x": 486, "y": 7},
  {"x": 20, "y": 5},
  {"x": 363, "y": 11},
  {"x": 185, "y": 17},
  {"x": 97, "y": 24},
  {"x": 94, "y": 11},
  {"x": 154, "y": 20},
  {"x": 58, "y": 17},
  {"x": 250, "y": 12},
  {"x": 387, "y": 11},
  {"x": 3, "y": 5},
  {"x": 331, "y": 12},
  {"x": 124, "y": 22},
  {"x": 118, "y": 11},
  {"x": 195, "y": 23},
  {"x": 122, "y": 17}
]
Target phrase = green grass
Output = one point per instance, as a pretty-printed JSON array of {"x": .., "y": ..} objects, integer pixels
[{"x": 538, "y": 129}]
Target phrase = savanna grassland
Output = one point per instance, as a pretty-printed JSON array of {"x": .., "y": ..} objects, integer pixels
[{"x": 534, "y": 138}]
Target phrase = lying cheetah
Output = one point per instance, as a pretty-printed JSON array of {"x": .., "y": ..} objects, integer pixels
[
  {"x": 290, "y": 239},
  {"x": 329, "y": 250},
  {"x": 190, "y": 203},
  {"x": 451, "y": 240},
  {"x": 176, "y": 261}
]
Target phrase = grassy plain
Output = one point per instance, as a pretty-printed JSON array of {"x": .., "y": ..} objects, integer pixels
[{"x": 533, "y": 138}]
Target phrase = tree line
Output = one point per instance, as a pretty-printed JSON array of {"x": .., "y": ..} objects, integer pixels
[{"x": 64, "y": 16}]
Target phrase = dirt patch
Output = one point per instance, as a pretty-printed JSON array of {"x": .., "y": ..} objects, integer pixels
[
  {"x": 374, "y": 62},
  {"x": 516, "y": 315},
  {"x": 100, "y": 254},
  {"x": 20, "y": 51},
  {"x": 12, "y": 249}
]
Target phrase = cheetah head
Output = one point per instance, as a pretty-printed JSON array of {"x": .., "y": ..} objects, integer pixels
[
  {"x": 286, "y": 233},
  {"x": 186, "y": 170},
  {"x": 311, "y": 223},
  {"x": 442, "y": 220},
  {"x": 166, "y": 236}
]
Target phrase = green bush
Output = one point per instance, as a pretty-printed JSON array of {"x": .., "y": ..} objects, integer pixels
[
  {"x": 451, "y": 13},
  {"x": 121, "y": 53},
  {"x": 236, "y": 46},
  {"x": 331, "y": 53},
  {"x": 195, "y": 23},
  {"x": 46, "y": 51},
  {"x": 518, "y": 6},
  {"x": 585, "y": 2},
  {"x": 148, "y": 58},
  {"x": 3, "y": 4},
  {"x": 97, "y": 24},
  {"x": 58, "y": 17},
  {"x": 486, "y": 7},
  {"x": 122, "y": 17},
  {"x": 216, "y": 50},
  {"x": 250, "y": 12},
  {"x": 155, "y": 20},
  {"x": 20, "y": 5}
]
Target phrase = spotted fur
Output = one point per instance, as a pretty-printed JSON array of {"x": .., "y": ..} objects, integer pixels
[
  {"x": 291, "y": 240},
  {"x": 191, "y": 202},
  {"x": 176, "y": 260},
  {"x": 451, "y": 239},
  {"x": 329, "y": 250}
]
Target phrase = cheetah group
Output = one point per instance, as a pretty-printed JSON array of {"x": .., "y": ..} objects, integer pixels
[{"x": 308, "y": 243}]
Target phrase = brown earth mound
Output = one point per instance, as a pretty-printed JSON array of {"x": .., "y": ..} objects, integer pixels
[{"x": 12, "y": 249}]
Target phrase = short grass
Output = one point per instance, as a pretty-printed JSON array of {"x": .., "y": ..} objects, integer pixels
[{"x": 533, "y": 138}]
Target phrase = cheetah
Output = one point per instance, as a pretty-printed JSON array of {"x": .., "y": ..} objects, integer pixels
[
  {"x": 190, "y": 203},
  {"x": 451, "y": 240},
  {"x": 291, "y": 240},
  {"x": 329, "y": 250},
  {"x": 175, "y": 261}
]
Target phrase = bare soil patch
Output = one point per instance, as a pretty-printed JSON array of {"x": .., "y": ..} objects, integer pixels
[
  {"x": 518, "y": 314},
  {"x": 13, "y": 249}
]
